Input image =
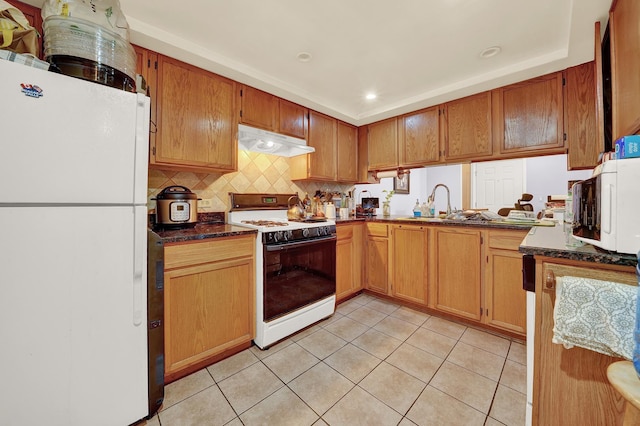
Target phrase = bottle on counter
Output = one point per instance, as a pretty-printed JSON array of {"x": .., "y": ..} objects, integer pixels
[
  {"x": 424, "y": 209},
  {"x": 416, "y": 209},
  {"x": 307, "y": 205},
  {"x": 432, "y": 207}
]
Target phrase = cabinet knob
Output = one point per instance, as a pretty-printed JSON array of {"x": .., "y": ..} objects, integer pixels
[{"x": 550, "y": 280}]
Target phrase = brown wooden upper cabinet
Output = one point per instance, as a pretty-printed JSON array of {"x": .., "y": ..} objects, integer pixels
[
  {"x": 147, "y": 66},
  {"x": 419, "y": 137},
  {"x": 347, "y": 153},
  {"x": 624, "y": 27},
  {"x": 528, "y": 117},
  {"x": 269, "y": 112},
  {"x": 197, "y": 122},
  {"x": 322, "y": 164},
  {"x": 467, "y": 128},
  {"x": 363, "y": 156},
  {"x": 383, "y": 145},
  {"x": 580, "y": 125}
]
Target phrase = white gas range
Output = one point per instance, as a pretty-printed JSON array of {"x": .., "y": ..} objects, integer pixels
[{"x": 295, "y": 265}]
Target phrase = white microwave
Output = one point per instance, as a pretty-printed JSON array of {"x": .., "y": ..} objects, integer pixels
[{"x": 606, "y": 207}]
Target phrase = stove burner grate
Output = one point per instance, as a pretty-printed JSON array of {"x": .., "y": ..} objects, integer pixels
[{"x": 267, "y": 223}]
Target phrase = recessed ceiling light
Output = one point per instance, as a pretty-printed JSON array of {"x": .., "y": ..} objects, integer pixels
[
  {"x": 371, "y": 96},
  {"x": 490, "y": 51},
  {"x": 304, "y": 56}
]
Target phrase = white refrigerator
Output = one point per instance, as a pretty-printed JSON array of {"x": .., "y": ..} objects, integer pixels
[{"x": 73, "y": 246}]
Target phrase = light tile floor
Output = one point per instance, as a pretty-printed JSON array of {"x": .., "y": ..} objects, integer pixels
[{"x": 372, "y": 363}]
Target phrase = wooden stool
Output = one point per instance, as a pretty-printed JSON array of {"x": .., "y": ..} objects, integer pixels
[{"x": 622, "y": 376}]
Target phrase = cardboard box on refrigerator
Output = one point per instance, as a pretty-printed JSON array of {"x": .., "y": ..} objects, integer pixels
[
  {"x": 628, "y": 147},
  {"x": 19, "y": 58}
]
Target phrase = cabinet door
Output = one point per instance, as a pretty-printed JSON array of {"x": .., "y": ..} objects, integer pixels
[
  {"x": 363, "y": 156},
  {"x": 258, "y": 108},
  {"x": 383, "y": 145},
  {"x": 207, "y": 311},
  {"x": 580, "y": 117},
  {"x": 578, "y": 372},
  {"x": 147, "y": 66},
  {"x": 348, "y": 259},
  {"x": 344, "y": 261},
  {"x": 528, "y": 116},
  {"x": 419, "y": 137},
  {"x": 197, "y": 122},
  {"x": 505, "y": 300},
  {"x": 624, "y": 22},
  {"x": 376, "y": 266},
  {"x": 409, "y": 263},
  {"x": 322, "y": 136},
  {"x": 347, "y": 153},
  {"x": 467, "y": 127},
  {"x": 377, "y": 257},
  {"x": 293, "y": 119},
  {"x": 458, "y": 280}
]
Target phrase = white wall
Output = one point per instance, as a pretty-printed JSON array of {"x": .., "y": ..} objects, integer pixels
[
  {"x": 450, "y": 176},
  {"x": 548, "y": 175},
  {"x": 544, "y": 176},
  {"x": 401, "y": 204}
]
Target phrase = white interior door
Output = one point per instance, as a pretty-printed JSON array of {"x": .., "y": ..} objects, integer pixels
[{"x": 497, "y": 184}]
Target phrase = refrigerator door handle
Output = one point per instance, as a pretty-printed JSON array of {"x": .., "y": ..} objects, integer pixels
[{"x": 139, "y": 263}]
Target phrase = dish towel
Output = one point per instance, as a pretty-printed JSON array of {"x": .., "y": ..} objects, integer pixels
[{"x": 595, "y": 315}]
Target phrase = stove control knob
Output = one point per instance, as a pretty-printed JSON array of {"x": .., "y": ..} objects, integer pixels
[
  {"x": 305, "y": 232},
  {"x": 277, "y": 236},
  {"x": 288, "y": 235}
]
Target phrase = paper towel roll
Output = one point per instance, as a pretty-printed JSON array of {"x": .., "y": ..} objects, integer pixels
[{"x": 390, "y": 173}]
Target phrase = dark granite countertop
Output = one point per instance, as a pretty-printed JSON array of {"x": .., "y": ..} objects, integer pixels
[
  {"x": 402, "y": 220},
  {"x": 210, "y": 225},
  {"x": 202, "y": 231},
  {"x": 552, "y": 242}
]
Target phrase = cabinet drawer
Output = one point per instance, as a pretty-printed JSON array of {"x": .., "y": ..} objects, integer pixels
[
  {"x": 193, "y": 253},
  {"x": 344, "y": 232},
  {"x": 377, "y": 229},
  {"x": 506, "y": 240}
]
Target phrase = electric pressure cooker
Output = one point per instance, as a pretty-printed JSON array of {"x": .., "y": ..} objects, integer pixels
[{"x": 176, "y": 207}]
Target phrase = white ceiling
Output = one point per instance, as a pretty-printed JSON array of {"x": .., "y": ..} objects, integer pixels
[{"x": 412, "y": 53}]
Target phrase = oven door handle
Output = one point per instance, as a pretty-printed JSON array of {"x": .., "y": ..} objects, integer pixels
[{"x": 285, "y": 246}]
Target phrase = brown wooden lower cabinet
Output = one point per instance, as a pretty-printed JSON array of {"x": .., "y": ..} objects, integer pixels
[
  {"x": 469, "y": 272},
  {"x": 349, "y": 259},
  {"x": 570, "y": 385},
  {"x": 505, "y": 302},
  {"x": 409, "y": 263},
  {"x": 209, "y": 300},
  {"x": 457, "y": 277},
  {"x": 377, "y": 257}
]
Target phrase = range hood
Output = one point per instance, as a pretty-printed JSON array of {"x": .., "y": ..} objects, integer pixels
[{"x": 265, "y": 142}]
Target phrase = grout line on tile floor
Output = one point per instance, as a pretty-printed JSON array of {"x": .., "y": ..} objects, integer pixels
[{"x": 360, "y": 302}]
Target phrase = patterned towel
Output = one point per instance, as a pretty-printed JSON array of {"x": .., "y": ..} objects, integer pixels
[{"x": 595, "y": 315}]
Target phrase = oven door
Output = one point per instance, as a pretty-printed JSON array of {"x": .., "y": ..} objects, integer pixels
[{"x": 298, "y": 274}]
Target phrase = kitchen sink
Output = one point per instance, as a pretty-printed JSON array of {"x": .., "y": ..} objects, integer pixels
[{"x": 421, "y": 219}]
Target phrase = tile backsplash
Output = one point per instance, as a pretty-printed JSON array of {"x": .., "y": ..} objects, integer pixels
[{"x": 262, "y": 173}]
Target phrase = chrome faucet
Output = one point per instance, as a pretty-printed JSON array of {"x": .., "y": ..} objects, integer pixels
[{"x": 433, "y": 196}]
